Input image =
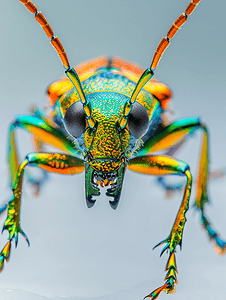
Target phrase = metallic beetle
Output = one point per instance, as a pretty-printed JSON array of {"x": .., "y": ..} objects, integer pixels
[{"x": 108, "y": 115}]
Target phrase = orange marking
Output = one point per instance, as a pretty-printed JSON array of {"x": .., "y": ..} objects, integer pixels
[
  {"x": 57, "y": 89},
  {"x": 219, "y": 250},
  {"x": 6, "y": 249},
  {"x": 162, "y": 45},
  {"x": 48, "y": 31},
  {"x": 172, "y": 31},
  {"x": 171, "y": 262},
  {"x": 57, "y": 45},
  {"x": 171, "y": 273},
  {"x": 127, "y": 69},
  {"x": 69, "y": 171},
  {"x": 48, "y": 138},
  {"x": 134, "y": 71},
  {"x": 91, "y": 66},
  {"x": 203, "y": 171},
  {"x": 101, "y": 184},
  {"x": 157, "y": 291},
  {"x": 190, "y": 8},
  {"x": 196, "y": 1},
  {"x": 41, "y": 19},
  {"x": 154, "y": 165},
  {"x": 169, "y": 140},
  {"x": 158, "y": 53},
  {"x": 155, "y": 60},
  {"x": 180, "y": 21},
  {"x": 64, "y": 59},
  {"x": 44, "y": 24},
  {"x": 31, "y": 7},
  {"x": 124, "y": 65}
]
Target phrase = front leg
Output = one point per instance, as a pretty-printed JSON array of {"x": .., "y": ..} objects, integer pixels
[
  {"x": 169, "y": 138},
  {"x": 12, "y": 223},
  {"x": 52, "y": 162},
  {"x": 160, "y": 166}
]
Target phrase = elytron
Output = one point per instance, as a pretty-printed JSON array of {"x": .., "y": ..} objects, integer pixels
[{"x": 107, "y": 115}]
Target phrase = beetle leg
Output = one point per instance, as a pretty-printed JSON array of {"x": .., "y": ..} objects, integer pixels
[
  {"x": 43, "y": 132},
  {"x": 171, "y": 188},
  {"x": 170, "y": 136},
  {"x": 39, "y": 147},
  {"x": 52, "y": 162},
  {"x": 165, "y": 165},
  {"x": 35, "y": 182}
]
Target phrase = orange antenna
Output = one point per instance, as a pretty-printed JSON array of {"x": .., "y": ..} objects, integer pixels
[
  {"x": 148, "y": 73},
  {"x": 48, "y": 31},
  {"x": 172, "y": 31},
  {"x": 71, "y": 73}
]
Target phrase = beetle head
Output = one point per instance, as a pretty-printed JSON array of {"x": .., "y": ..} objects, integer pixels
[{"x": 106, "y": 146}]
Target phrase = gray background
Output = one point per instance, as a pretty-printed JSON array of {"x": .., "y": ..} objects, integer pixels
[{"x": 99, "y": 253}]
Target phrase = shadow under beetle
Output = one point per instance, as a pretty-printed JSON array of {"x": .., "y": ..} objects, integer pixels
[{"x": 108, "y": 115}]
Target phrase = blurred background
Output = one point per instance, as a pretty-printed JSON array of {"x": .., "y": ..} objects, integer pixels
[{"x": 99, "y": 253}]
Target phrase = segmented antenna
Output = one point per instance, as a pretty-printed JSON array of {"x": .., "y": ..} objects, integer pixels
[
  {"x": 173, "y": 30},
  {"x": 54, "y": 40},
  {"x": 148, "y": 73},
  {"x": 48, "y": 31}
]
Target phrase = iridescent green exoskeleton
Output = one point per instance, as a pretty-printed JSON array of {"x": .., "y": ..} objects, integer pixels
[{"x": 105, "y": 116}]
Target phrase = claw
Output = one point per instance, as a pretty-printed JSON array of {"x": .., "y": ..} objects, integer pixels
[
  {"x": 25, "y": 236},
  {"x": 16, "y": 239},
  {"x": 15, "y": 236},
  {"x": 13, "y": 227},
  {"x": 170, "y": 278},
  {"x": 168, "y": 287},
  {"x": 154, "y": 295},
  {"x": 5, "y": 253},
  {"x": 160, "y": 243},
  {"x": 166, "y": 246}
]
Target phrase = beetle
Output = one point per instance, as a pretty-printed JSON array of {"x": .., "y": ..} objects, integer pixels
[{"x": 98, "y": 169}]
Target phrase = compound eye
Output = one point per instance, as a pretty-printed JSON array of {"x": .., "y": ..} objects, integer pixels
[
  {"x": 75, "y": 119},
  {"x": 138, "y": 120}
]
